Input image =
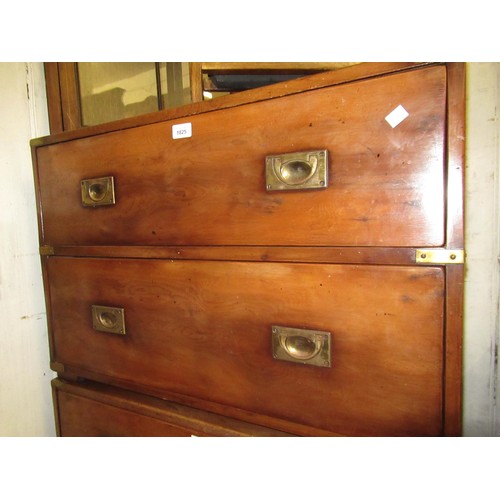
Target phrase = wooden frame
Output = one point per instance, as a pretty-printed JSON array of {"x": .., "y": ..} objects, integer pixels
[
  {"x": 453, "y": 384},
  {"x": 63, "y": 91},
  {"x": 63, "y": 99}
]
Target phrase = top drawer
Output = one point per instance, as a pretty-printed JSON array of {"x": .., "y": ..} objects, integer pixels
[{"x": 385, "y": 180}]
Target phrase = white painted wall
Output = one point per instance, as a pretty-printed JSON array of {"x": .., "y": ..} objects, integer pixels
[
  {"x": 482, "y": 247},
  {"x": 25, "y": 396}
]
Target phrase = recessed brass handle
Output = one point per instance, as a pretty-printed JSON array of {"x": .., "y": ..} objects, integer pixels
[
  {"x": 108, "y": 319},
  {"x": 310, "y": 347},
  {"x": 98, "y": 191},
  {"x": 300, "y": 347},
  {"x": 302, "y": 170}
]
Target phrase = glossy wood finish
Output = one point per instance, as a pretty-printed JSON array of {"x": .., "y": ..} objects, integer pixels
[
  {"x": 338, "y": 255},
  {"x": 63, "y": 96},
  {"x": 455, "y": 239},
  {"x": 322, "y": 80},
  {"x": 409, "y": 381},
  {"x": 54, "y": 100},
  {"x": 95, "y": 410},
  {"x": 204, "y": 329},
  {"x": 385, "y": 189}
]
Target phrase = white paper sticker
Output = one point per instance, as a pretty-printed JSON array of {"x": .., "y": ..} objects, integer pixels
[
  {"x": 182, "y": 131},
  {"x": 395, "y": 117}
]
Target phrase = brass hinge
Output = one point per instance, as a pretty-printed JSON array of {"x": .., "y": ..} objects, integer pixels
[
  {"x": 439, "y": 256},
  {"x": 47, "y": 250}
]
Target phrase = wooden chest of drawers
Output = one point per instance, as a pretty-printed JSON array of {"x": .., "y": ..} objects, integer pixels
[{"x": 288, "y": 260}]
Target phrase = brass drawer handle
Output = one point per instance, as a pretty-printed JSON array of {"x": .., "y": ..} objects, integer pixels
[
  {"x": 98, "y": 191},
  {"x": 311, "y": 347},
  {"x": 108, "y": 319},
  {"x": 303, "y": 170}
]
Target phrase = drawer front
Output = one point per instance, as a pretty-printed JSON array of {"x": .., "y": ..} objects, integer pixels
[
  {"x": 385, "y": 180},
  {"x": 92, "y": 409},
  {"x": 81, "y": 416},
  {"x": 203, "y": 329}
]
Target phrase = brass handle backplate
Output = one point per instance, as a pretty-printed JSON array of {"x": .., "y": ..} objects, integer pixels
[
  {"x": 309, "y": 347},
  {"x": 98, "y": 192},
  {"x": 108, "y": 319},
  {"x": 303, "y": 170}
]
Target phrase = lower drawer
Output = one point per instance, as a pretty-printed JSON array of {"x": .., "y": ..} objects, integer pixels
[
  {"x": 202, "y": 332},
  {"x": 94, "y": 410}
]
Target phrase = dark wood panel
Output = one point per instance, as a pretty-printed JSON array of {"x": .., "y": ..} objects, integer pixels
[
  {"x": 456, "y": 155},
  {"x": 70, "y": 95},
  {"x": 235, "y": 258},
  {"x": 455, "y": 239},
  {"x": 63, "y": 96},
  {"x": 54, "y": 103},
  {"x": 453, "y": 350},
  {"x": 83, "y": 417},
  {"x": 386, "y": 184},
  {"x": 204, "y": 329},
  {"x": 338, "y": 77},
  {"x": 334, "y": 255},
  {"x": 87, "y": 409}
]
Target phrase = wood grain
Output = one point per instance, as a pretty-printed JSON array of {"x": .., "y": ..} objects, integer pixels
[
  {"x": 386, "y": 184},
  {"x": 338, "y": 77},
  {"x": 87, "y": 409},
  {"x": 204, "y": 260},
  {"x": 203, "y": 329},
  {"x": 334, "y": 255}
]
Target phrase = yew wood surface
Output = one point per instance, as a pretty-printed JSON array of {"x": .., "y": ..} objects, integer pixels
[
  {"x": 334, "y": 255},
  {"x": 83, "y": 417},
  {"x": 338, "y": 77},
  {"x": 89, "y": 409},
  {"x": 455, "y": 239},
  {"x": 386, "y": 184},
  {"x": 450, "y": 361},
  {"x": 203, "y": 329}
]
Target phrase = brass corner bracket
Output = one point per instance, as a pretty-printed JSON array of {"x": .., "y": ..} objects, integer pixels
[
  {"x": 440, "y": 256},
  {"x": 47, "y": 250}
]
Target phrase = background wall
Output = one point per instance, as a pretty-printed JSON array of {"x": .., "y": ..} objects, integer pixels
[
  {"x": 481, "y": 376},
  {"x": 25, "y": 398}
]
